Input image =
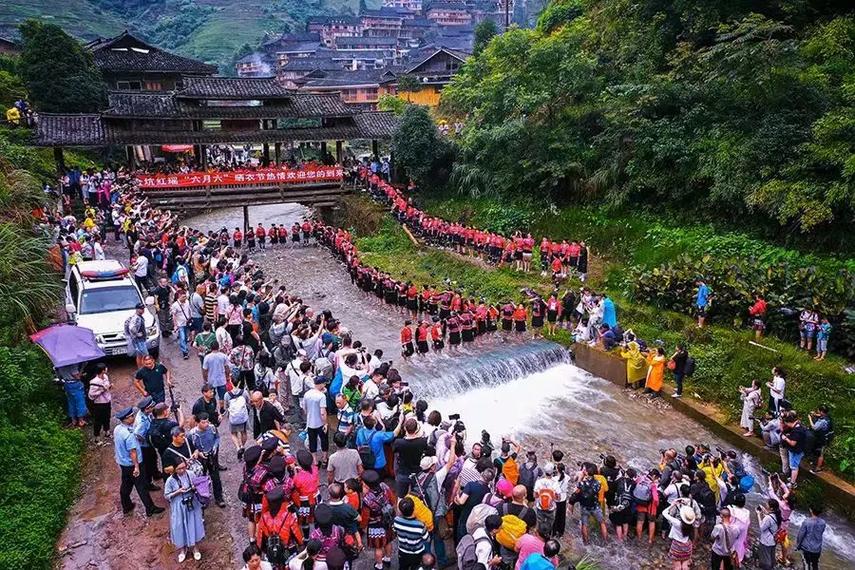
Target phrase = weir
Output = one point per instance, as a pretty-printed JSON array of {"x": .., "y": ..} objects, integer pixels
[{"x": 488, "y": 366}]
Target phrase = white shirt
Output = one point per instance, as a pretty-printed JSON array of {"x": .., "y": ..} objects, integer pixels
[
  {"x": 223, "y": 304},
  {"x": 370, "y": 389},
  {"x": 181, "y": 313},
  {"x": 141, "y": 266},
  {"x": 546, "y": 483},
  {"x": 224, "y": 339},
  {"x": 99, "y": 251},
  {"x": 778, "y": 385},
  {"x": 483, "y": 548},
  {"x": 313, "y": 403}
]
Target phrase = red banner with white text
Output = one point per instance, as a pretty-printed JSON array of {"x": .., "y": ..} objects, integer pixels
[{"x": 242, "y": 177}]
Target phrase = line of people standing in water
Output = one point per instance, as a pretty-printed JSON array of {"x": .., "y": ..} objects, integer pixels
[{"x": 561, "y": 259}]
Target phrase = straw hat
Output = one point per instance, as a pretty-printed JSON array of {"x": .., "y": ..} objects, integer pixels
[{"x": 687, "y": 514}]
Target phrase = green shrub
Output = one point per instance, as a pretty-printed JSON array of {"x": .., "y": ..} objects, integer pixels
[{"x": 39, "y": 460}]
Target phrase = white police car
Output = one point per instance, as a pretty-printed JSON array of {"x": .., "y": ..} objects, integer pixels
[{"x": 100, "y": 296}]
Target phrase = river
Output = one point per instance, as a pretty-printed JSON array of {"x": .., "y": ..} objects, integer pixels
[{"x": 509, "y": 386}]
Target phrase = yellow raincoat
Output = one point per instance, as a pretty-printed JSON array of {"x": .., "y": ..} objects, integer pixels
[{"x": 636, "y": 365}]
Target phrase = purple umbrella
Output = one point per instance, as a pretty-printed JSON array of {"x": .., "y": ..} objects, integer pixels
[{"x": 68, "y": 344}]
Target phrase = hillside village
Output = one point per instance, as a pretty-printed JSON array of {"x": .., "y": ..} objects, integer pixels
[{"x": 362, "y": 57}]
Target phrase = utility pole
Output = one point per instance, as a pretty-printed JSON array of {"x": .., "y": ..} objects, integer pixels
[{"x": 507, "y": 14}]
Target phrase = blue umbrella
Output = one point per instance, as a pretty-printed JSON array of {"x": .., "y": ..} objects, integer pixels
[{"x": 68, "y": 344}]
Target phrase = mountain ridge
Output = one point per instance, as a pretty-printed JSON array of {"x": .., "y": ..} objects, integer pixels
[{"x": 210, "y": 30}]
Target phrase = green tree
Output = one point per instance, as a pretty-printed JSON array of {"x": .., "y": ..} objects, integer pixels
[
  {"x": 391, "y": 103},
  {"x": 417, "y": 145},
  {"x": 408, "y": 84},
  {"x": 732, "y": 110},
  {"x": 11, "y": 89},
  {"x": 484, "y": 32},
  {"x": 58, "y": 72}
]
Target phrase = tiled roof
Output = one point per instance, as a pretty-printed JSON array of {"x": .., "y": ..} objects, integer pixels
[
  {"x": 320, "y": 105},
  {"x": 293, "y": 37},
  {"x": 350, "y": 20},
  {"x": 347, "y": 78},
  {"x": 345, "y": 42},
  {"x": 380, "y": 124},
  {"x": 128, "y": 53},
  {"x": 453, "y": 53},
  {"x": 297, "y": 47},
  {"x": 441, "y": 5},
  {"x": 310, "y": 64},
  {"x": 232, "y": 88},
  {"x": 71, "y": 130},
  {"x": 87, "y": 130},
  {"x": 145, "y": 105},
  {"x": 360, "y": 54}
]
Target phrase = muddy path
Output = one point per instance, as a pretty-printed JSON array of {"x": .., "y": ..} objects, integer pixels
[{"x": 99, "y": 536}]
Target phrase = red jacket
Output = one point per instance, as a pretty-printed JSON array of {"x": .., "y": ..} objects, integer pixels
[{"x": 758, "y": 309}]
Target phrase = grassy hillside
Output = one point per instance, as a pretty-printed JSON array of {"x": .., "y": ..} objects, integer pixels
[
  {"x": 81, "y": 18},
  {"x": 211, "y": 30}
]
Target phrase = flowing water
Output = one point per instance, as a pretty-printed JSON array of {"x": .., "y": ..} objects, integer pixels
[{"x": 527, "y": 390}]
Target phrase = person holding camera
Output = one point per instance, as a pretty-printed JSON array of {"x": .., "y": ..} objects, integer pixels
[
  {"x": 751, "y": 398},
  {"x": 186, "y": 525},
  {"x": 820, "y": 425},
  {"x": 771, "y": 526}
]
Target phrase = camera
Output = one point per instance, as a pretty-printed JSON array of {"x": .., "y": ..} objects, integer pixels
[{"x": 187, "y": 500}]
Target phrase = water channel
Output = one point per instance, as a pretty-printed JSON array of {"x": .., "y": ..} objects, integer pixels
[{"x": 525, "y": 389}]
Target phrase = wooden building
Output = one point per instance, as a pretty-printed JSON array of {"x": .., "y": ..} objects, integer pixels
[{"x": 129, "y": 64}]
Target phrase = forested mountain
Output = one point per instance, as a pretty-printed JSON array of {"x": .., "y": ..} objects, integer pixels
[
  {"x": 211, "y": 30},
  {"x": 742, "y": 111}
]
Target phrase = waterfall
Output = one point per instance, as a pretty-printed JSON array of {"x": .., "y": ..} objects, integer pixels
[{"x": 446, "y": 376}]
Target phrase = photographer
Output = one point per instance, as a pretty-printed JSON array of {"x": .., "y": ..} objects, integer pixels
[
  {"x": 186, "y": 525},
  {"x": 823, "y": 433},
  {"x": 770, "y": 521}
]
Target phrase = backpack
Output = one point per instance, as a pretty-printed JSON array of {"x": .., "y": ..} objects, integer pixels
[
  {"x": 323, "y": 367},
  {"x": 419, "y": 483},
  {"x": 513, "y": 527},
  {"x": 422, "y": 512},
  {"x": 546, "y": 499},
  {"x": 510, "y": 470},
  {"x": 643, "y": 492},
  {"x": 527, "y": 476},
  {"x": 238, "y": 414},
  {"x": 276, "y": 552},
  {"x": 492, "y": 500},
  {"x": 366, "y": 454},
  {"x": 478, "y": 515},
  {"x": 467, "y": 556},
  {"x": 158, "y": 436},
  {"x": 706, "y": 500},
  {"x": 689, "y": 368},
  {"x": 588, "y": 493},
  {"x": 625, "y": 495}
]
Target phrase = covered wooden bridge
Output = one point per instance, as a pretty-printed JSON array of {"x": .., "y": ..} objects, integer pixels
[{"x": 207, "y": 111}]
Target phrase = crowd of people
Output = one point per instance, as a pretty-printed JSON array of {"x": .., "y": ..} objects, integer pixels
[
  {"x": 288, "y": 383},
  {"x": 561, "y": 259}
]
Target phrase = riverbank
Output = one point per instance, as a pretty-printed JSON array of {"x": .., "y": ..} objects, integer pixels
[{"x": 725, "y": 358}]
